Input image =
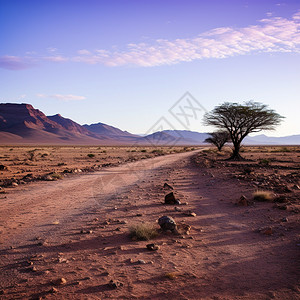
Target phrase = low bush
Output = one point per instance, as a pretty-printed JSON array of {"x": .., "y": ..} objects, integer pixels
[
  {"x": 143, "y": 231},
  {"x": 262, "y": 196}
]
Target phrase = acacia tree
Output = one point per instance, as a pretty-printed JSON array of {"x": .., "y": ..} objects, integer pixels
[
  {"x": 218, "y": 138},
  {"x": 241, "y": 119}
]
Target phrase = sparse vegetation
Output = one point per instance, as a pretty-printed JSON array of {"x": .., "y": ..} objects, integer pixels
[
  {"x": 56, "y": 176},
  {"x": 218, "y": 138},
  {"x": 143, "y": 231},
  {"x": 172, "y": 275},
  {"x": 262, "y": 196},
  {"x": 158, "y": 151},
  {"x": 264, "y": 162}
]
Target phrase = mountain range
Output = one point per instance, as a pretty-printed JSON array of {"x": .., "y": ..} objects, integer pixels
[{"x": 23, "y": 124}]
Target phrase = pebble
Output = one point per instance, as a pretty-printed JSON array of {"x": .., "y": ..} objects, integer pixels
[
  {"x": 115, "y": 284},
  {"x": 61, "y": 281},
  {"x": 152, "y": 247},
  {"x": 141, "y": 261},
  {"x": 53, "y": 290}
]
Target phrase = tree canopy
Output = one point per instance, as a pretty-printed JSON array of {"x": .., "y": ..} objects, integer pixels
[
  {"x": 218, "y": 138},
  {"x": 241, "y": 119}
]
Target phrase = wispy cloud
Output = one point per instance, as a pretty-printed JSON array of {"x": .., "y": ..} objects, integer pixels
[
  {"x": 56, "y": 58},
  {"x": 14, "y": 63},
  {"x": 68, "y": 97},
  {"x": 272, "y": 34}
]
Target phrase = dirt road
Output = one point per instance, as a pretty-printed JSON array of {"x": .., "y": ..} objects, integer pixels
[{"x": 77, "y": 229}]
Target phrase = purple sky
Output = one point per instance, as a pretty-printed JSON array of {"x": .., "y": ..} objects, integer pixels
[{"x": 125, "y": 63}]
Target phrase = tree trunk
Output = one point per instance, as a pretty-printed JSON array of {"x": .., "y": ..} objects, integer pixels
[{"x": 236, "y": 152}]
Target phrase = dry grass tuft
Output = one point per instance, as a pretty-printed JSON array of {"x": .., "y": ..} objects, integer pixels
[
  {"x": 172, "y": 275},
  {"x": 262, "y": 196},
  {"x": 143, "y": 231}
]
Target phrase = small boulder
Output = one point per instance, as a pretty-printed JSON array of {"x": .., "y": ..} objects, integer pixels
[
  {"x": 170, "y": 199},
  {"x": 152, "y": 247},
  {"x": 243, "y": 201},
  {"x": 167, "y": 223},
  {"x": 3, "y": 168},
  {"x": 190, "y": 213},
  {"x": 60, "y": 281},
  {"x": 115, "y": 284}
]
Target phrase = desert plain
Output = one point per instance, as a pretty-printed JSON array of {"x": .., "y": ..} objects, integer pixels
[{"x": 67, "y": 212}]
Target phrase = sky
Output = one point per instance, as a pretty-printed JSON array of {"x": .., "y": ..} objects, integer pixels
[{"x": 144, "y": 65}]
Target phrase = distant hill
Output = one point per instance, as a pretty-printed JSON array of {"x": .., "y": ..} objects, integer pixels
[
  {"x": 109, "y": 131},
  {"x": 23, "y": 124},
  {"x": 267, "y": 140}
]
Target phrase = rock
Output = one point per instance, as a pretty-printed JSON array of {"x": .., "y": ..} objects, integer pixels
[
  {"x": 282, "y": 206},
  {"x": 243, "y": 201},
  {"x": 152, "y": 247},
  {"x": 2, "y": 292},
  {"x": 190, "y": 214},
  {"x": 177, "y": 208},
  {"x": 166, "y": 185},
  {"x": 115, "y": 284},
  {"x": 170, "y": 199},
  {"x": 53, "y": 290},
  {"x": 3, "y": 168},
  {"x": 141, "y": 261},
  {"x": 284, "y": 219},
  {"x": 267, "y": 231},
  {"x": 167, "y": 223},
  {"x": 60, "y": 281},
  {"x": 183, "y": 228},
  {"x": 14, "y": 184},
  {"x": 281, "y": 199},
  {"x": 296, "y": 187}
]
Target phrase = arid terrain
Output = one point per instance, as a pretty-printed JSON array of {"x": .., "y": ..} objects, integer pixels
[
  {"x": 66, "y": 236},
  {"x": 23, "y": 164}
]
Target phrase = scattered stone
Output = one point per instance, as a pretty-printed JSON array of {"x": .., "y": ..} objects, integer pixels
[
  {"x": 296, "y": 187},
  {"x": 152, "y": 247},
  {"x": 53, "y": 290},
  {"x": 183, "y": 228},
  {"x": 170, "y": 199},
  {"x": 271, "y": 294},
  {"x": 141, "y": 261},
  {"x": 266, "y": 230},
  {"x": 243, "y": 201},
  {"x": 280, "y": 206},
  {"x": 190, "y": 214},
  {"x": 86, "y": 231},
  {"x": 60, "y": 281},
  {"x": 281, "y": 199},
  {"x": 166, "y": 185},
  {"x": 177, "y": 208},
  {"x": 115, "y": 284},
  {"x": 167, "y": 223},
  {"x": 284, "y": 219}
]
